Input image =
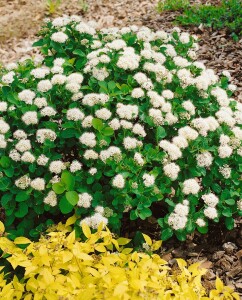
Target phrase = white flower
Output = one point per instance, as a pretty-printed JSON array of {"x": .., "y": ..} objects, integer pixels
[
  {"x": 8, "y": 78},
  {"x": 177, "y": 222},
  {"x": 59, "y": 61},
  {"x": 210, "y": 199},
  {"x": 27, "y": 157},
  {"x": 114, "y": 124},
  {"x": 190, "y": 186},
  {"x": 75, "y": 166},
  {"x": 173, "y": 151},
  {"x": 58, "y": 79},
  {"x": 127, "y": 112},
  {"x": 74, "y": 114},
  {"x": 48, "y": 111},
  {"x": 4, "y": 127},
  {"x": 137, "y": 93},
  {"x": 181, "y": 210},
  {"x": 92, "y": 171},
  {"x": 3, "y": 106},
  {"x": 30, "y": 118},
  {"x": 57, "y": 166},
  {"x": 210, "y": 212},
  {"x": 73, "y": 87},
  {"x": 224, "y": 140},
  {"x": 188, "y": 133},
  {"x": 180, "y": 142},
  {"x": 38, "y": 184},
  {"x": 59, "y": 37},
  {"x": 225, "y": 170},
  {"x": 225, "y": 151},
  {"x": 200, "y": 222},
  {"x": 23, "y": 145},
  {"x": 204, "y": 159},
  {"x": 131, "y": 143},
  {"x": 171, "y": 170},
  {"x": 188, "y": 105},
  {"x": 90, "y": 154},
  {"x": 26, "y": 96},
  {"x": 148, "y": 180},
  {"x": 44, "y": 86},
  {"x": 51, "y": 199},
  {"x": 3, "y": 143},
  {"x": 118, "y": 181},
  {"x": 103, "y": 113},
  {"x": 139, "y": 130},
  {"x": 14, "y": 155},
  {"x": 138, "y": 159},
  {"x": 42, "y": 160},
  {"x": 85, "y": 200},
  {"x": 88, "y": 139},
  {"x": 184, "y": 37},
  {"x": 44, "y": 134},
  {"x": 23, "y": 182},
  {"x": 40, "y": 73},
  {"x": 40, "y": 102},
  {"x": 75, "y": 77},
  {"x": 239, "y": 204},
  {"x": 167, "y": 94}
]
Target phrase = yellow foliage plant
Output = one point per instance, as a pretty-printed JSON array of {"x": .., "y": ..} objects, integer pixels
[{"x": 61, "y": 267}]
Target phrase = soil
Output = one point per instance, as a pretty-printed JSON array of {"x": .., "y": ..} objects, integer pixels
[{"x": 20, "y": 20}]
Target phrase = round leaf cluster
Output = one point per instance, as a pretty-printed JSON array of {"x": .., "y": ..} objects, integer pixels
[{"x": 118, "y": 121}]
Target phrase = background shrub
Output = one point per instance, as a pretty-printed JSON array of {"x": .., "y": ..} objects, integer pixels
[
  {"x": 227, "y": 15},
  {"x": 113, "y": 121}
]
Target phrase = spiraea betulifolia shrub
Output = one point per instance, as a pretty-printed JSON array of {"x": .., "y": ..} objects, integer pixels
[{"x": 115, "y": 121}]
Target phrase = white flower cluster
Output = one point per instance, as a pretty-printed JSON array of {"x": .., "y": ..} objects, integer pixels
[{"x": 178, "y": 218}]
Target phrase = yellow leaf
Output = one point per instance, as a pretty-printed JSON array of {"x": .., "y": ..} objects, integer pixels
[
  {"x": 22, "y": 240},
  {"x": 127, "y": 250},
  {"x": 181, "y": 263},
  {"x": 100, "y": 248},
  {"x": 123, "y": 241},
  {"x": 2, "y": 228},
  {"x": 147, "y": 239},
  {"x": 219, "y": 285},
  {"x": 86, "y": 230},
  {"x": 156, "y": 245},
  {"x": 71, "y": 220},
  {"x": 71, "y": 238}
]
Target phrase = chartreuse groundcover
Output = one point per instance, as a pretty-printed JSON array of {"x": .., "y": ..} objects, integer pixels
[
  {"x": 112, "y": 122},
  {"x": 99, "y": 266}
]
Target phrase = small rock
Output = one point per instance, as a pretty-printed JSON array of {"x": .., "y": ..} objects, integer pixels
[
  {"x": 229, "y": 247},
  {"x": 218, "y": 255},
  {"x": 238, "y": 285}
]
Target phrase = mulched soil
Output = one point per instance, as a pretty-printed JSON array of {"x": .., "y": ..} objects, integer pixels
[{"x": 220, "y": 250}]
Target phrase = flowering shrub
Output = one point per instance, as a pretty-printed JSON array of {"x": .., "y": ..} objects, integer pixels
[
  {"x": 98, "y": 267},
  {"x": 115, "y": 121}
]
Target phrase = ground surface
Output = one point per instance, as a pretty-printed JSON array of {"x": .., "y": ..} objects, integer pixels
[{"x": 20, "y": 20}]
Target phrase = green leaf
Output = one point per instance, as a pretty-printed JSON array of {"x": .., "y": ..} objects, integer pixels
[
  {"x": 97, "y": 124},
  {"x": 79, "y": 52},
  {"x": 5, "y": 162},
  {"x": 108, "y": 131},
  {"x": 166, "y": 234},
  {"x": 145, "y": 213},
  {"x": 181, "y": 236},
  {"x": 203, "y": 229},
  {"x": 72, "y": 197},
  {"x": 230, "y": 201},
  {"x": 133, "y": 215},
  {"x": 160, "y": 133},
  {"x": 229, "y": 223},
  {"x": 111, "y": 85},
  {"x": 227, "y": 212},
  {"x": 68, "y": 179},
  {"x": 5, "y": 184},
  {"x": 22, "y": 210},
  {"x": 6, "y": 198},
  {"x": 22, "y": 196},
  {"x": 59, "y": 188},
  {"x": 65, "y": 206}
]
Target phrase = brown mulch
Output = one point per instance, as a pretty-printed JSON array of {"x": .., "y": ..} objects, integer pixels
[{"x": 20, "y": 20}]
